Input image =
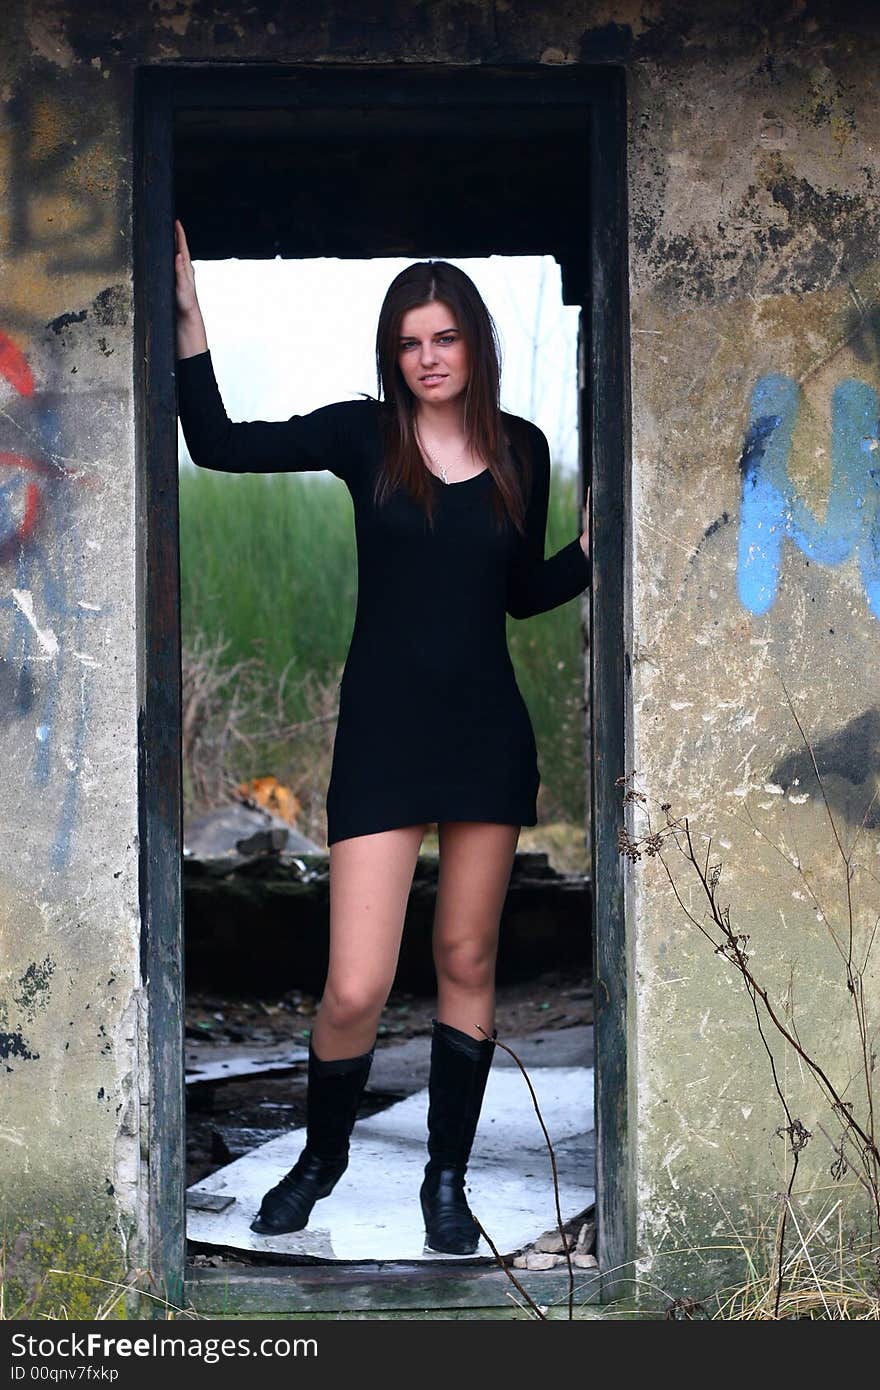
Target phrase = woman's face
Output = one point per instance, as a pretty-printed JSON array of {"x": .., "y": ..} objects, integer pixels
[{"x": 432, "y": 353}]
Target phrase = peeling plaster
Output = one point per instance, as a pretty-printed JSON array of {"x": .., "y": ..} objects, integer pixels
[
  {"x": 45, "y": 636},
  {"x": 45, "y": 34}
]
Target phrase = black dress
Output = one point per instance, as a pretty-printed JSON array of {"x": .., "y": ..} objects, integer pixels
[{"x": 432, "y": 725}]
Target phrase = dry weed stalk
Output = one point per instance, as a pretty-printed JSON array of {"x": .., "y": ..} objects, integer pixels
[
  {"x": 560, "y": 1226},
  {"x": 810, "y": 1281},
  {"x": 856, "y": 1147}
]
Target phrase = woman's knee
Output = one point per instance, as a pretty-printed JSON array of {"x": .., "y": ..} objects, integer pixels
[
  {"x": 466, "y": 964},
  {"x": 353, "y": 1004}
]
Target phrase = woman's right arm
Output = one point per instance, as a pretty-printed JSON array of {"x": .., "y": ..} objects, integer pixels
[
  {"x": 191, "y": 335},
  {"x": 302, "y": 443}
]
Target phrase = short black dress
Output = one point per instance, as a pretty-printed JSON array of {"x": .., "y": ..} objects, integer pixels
[{"x": 432, "y": 725}]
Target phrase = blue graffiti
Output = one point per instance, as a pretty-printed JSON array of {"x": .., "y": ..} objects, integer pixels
[
  {"x": 771, "y": 508},
  {"x": 55, "y": 579}
]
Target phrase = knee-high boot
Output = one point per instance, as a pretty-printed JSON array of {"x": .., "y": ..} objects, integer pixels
[
  {"x": 457, "y": 1082},
  {"x": 335, "y": 1089}
]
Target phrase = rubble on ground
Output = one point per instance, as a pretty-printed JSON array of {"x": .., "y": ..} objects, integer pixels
[{"x": 578, "y": 1237}]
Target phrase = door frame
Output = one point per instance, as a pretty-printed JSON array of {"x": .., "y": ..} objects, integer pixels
[{"x": 605, "y": 441}]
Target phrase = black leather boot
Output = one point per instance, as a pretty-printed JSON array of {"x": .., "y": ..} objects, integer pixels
[
  {"x": 457, "y": 1082},
  {"x": 335, "y": 1090}
]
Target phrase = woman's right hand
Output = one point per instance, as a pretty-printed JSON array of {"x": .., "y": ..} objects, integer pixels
[
  {"x": 191, "y": 336},
  {"x": 185, "y": 276},
  {"x": 585, "y": 534}
]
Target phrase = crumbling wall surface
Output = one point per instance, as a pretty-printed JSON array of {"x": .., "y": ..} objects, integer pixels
[
  {"x": 754, "y": 221},
  {"x": 69, "y": 980}
]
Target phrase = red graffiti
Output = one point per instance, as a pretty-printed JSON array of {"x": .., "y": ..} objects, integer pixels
[
  {"x": 14, "y": 367},
  {"x": 17, "y": 526},
  {"x": 31, "y": 510}
]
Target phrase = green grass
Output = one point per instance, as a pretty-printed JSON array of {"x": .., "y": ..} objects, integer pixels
[{"x": 269, "y": 563}]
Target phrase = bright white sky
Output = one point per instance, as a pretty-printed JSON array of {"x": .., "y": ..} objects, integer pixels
[{"x": 289, "y": 336}]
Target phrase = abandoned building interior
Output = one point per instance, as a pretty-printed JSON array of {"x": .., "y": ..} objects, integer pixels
[{"x": 340, "y": 171}]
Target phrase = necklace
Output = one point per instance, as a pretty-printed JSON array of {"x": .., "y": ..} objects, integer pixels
[{"x": 440, "y": 467}]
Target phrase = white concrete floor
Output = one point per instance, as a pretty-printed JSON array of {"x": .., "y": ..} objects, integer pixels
[{"x": 373, "y": 1212}]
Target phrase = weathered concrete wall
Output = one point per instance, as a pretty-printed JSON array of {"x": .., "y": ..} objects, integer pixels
[
  {"x": 754, "y": 221},
  {"x": 754, "y": 279},
  {"x": 69, "y": 997}
]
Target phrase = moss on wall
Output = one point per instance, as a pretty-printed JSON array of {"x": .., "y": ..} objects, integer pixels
[{"x": 63, "y": 1265}]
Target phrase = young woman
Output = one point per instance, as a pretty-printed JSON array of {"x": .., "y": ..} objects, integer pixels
[{"x": 450, "y": 500}]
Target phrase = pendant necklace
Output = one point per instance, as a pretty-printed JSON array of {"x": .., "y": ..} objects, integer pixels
[{"x": 440, "y": 467}]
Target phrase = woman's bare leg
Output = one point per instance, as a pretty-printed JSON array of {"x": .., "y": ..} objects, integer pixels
[
  {"x": 476, "y": 859},
  {"x": 370, "y": 881}
]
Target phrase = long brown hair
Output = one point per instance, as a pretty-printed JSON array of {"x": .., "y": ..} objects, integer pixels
[{"x": 403, "y": 465}]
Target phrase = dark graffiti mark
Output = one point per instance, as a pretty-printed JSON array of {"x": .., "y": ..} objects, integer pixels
[
  {"x": 606, "y": 43},
  {"x": 32, "y": 992},
  {"x": 17, "y": 690},
  {"x": 861, "y": 329},
  {"x": 14, "y": 1045},
  {"x": 109, "y": 309},
  {"x": 46, "y": 164},
  {"x": 710, "y": 530},
  {"x": 111, "y": 306},
  {"x": 65, "y": 320},
  {"x": 797, "y": 251},
  {"x": 759, "y": 432},
  {"x": 716, "y": 525},
  {"x": 848, "y": 761},
  {"x": 772, "y": 509}
]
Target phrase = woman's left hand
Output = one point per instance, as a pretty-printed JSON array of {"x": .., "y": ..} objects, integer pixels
[{"x": 585, "y": 534}]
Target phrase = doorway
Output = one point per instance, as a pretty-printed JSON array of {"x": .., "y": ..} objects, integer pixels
[{"x": 296, "y": 162}]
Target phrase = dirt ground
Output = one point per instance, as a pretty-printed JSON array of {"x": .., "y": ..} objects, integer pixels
[{"x": 555, "y": 999}]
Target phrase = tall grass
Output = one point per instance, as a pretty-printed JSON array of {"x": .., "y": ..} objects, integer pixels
[
  {"x": 269, "y": 561},
  {"x": 268, "y": 565}
]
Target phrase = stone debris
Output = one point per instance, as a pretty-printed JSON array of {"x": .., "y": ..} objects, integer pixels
[
  {"x": 578, "y": 1237},
  {"x": 586, "y": 1241},
  {"x": 237, "y": 831},
  {"x": 536, "y": 1260},
  {"x": 271, "y": 841},
  {"x": 553, "y": 1243}
]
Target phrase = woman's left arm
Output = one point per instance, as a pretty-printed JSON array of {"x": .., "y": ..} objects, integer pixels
[{"x": 536, "y": 585}]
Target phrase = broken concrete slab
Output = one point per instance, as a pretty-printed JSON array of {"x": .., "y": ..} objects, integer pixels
[
  {"x": 206, "y": 1062},
  {"x": 240, "y": 830},
  {"x": 402, "y": 1067},
  {"x": 374, "y": 1214},
  {"x": 399, "y": 1068}
]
